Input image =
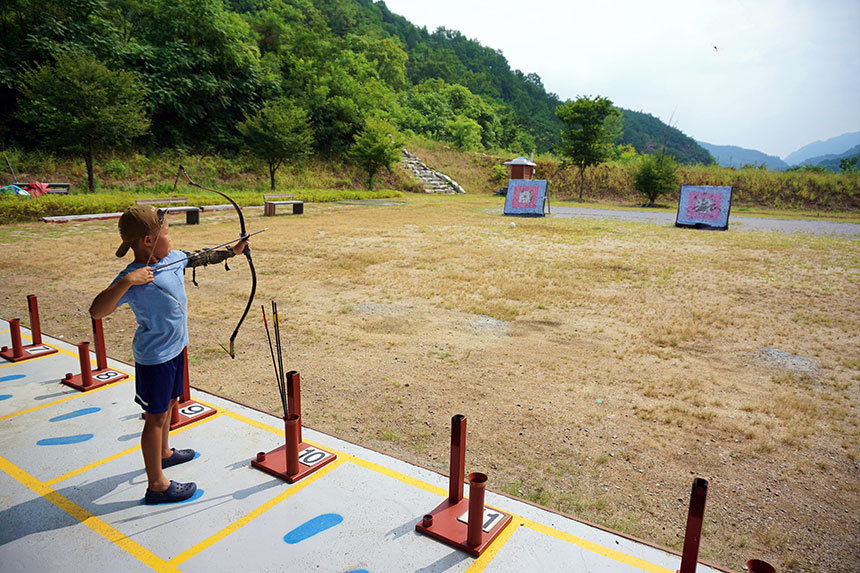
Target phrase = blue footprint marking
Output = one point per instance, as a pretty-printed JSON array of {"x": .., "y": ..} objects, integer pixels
[
  {"x": 5, "y": 397},
  {"x": 12, "y": 377},
  {"x": 65, "y": 440},
  {"x": 313, "y": 526},
  {"x": 75, "y": 414}
]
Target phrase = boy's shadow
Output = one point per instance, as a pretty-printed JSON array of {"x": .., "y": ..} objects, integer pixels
[{"x": 40, "y": 515}]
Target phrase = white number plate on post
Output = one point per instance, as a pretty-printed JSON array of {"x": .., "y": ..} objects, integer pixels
[
  {"x": 491, "y": 518},
  {"x": 311, "y": 456},
  {"x": 107, "y": 375},
  {"x": 37, "y": 349},
  {"x": 192, "y": 410}
]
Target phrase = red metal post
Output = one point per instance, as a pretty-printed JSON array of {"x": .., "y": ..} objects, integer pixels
[
  {"x": 35, "y": 326},
  {"x": 15, "y": 332},
  {"x": 174, "y": 414},
  {"x": 186, "y": 384},
  {"x": 294, "y": 397},
  {"x": 458, "y": 458},
  {"x": 695, "y": 517},
  {"x": 475, "y": 525},
  {"x": 99, "y": 337},
  {"x": 86, "y": 369},
  {"x": 291, "y": 427}
]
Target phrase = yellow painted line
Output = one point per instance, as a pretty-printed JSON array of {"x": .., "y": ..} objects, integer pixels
[
  {"x": 596, "y": 548},
  {"x": 247, "y": 420},
  {"x": 206, "y": 543},
  {"x": 414, "y": 482},
  {"x": 85, "y": 517},
  {"x": 490, "y": 552},
  {"x": 118, "y": 455}
]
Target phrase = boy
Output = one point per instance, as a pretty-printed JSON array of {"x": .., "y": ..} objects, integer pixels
[{"x": 157, "y": 298}]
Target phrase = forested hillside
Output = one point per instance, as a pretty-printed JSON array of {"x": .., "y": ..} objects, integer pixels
[
  {"x": 648, "y": 134},
  {"x": 206, "y": 65},
  {"x": 831, "y": 162}
]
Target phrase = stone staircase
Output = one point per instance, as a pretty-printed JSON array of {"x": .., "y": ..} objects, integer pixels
[{"x": 433, "y": 181}]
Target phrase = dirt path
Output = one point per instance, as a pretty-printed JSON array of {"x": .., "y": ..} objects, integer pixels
[{"x": 601, "y": 365}]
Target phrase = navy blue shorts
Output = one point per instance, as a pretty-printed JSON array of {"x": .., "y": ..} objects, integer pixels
[{"x": 156, "y": 385}]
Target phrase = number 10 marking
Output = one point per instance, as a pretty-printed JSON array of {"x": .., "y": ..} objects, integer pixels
[{"x": 312, "y": 456}]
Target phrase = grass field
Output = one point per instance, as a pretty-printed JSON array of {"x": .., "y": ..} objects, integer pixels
[{"x": 601, "y": 364}]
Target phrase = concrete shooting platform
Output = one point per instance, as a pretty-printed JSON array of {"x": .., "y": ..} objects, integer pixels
[{"x": 72, "y": 483}]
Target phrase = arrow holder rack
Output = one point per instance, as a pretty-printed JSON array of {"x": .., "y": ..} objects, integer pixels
[
  {"x": 185, "y": 410},
  {"x": 90, "y": 379},
  {"x": 19, "y": 351},
  {"x": 464, "y": 523},
  {"x": 295, "y": 459}
]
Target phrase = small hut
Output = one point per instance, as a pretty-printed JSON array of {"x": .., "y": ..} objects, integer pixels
[{"x": 521, "y": 168}]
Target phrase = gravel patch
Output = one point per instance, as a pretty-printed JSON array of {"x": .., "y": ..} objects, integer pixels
[{"x": 776, "y": 357}]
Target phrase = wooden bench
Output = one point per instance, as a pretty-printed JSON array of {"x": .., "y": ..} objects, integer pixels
[
  {"x": 192, "y": 214},
  {"x": 62, "y": 188},
  {"x": 270, "y": 202}
]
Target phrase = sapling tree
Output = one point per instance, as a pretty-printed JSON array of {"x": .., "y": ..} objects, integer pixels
[
  {"x": 375, "y": 147},
  {"x": 591, "y": 128},
  {"x": 280, "y": 131}
]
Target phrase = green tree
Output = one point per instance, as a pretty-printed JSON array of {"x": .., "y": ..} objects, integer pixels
[
  {"x": 78, "y": 105},
  {"x": 657, "y": 175},
  {"x": 849, "y": 164},
  {"x": 465, "y": 133},
  {"x": 278, "y": 132},
  {"x": 375, "y": 147},
  {"x": 591, "y": 128},
  {"x": 201, "y": 67}
]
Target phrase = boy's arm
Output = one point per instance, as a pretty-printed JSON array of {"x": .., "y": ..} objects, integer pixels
[
  {"x": 106, "y": 301},
  {"x": 204, "y": 258}
]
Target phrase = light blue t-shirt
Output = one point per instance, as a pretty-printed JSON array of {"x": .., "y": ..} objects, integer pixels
[{"x": 162, "y": 318}]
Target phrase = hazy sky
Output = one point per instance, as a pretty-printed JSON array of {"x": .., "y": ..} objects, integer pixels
[{"x": 783, "y": 74}]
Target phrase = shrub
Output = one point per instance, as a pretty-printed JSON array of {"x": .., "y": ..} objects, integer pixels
[
  {"x": 656, "y": 176},
  {"x": 117, "y": 169}
]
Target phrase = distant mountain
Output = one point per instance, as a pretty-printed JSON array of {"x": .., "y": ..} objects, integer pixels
[
  {"x": 831, "y": 161},
  {"x": 833, "y": 146},
  {"x": 734, "y": 156}
]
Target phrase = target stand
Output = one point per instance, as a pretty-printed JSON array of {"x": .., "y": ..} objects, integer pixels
[
  {"x": 19, "y": 352},
  {"x": 464, "y": 523},
  {"x": 185, "y": 410},
  {"x": 295, "y": 459},
  {"x": 90, "y": 379}
]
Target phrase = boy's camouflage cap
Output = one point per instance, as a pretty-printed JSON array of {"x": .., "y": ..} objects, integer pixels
[{"x": 136, "y": 222}]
